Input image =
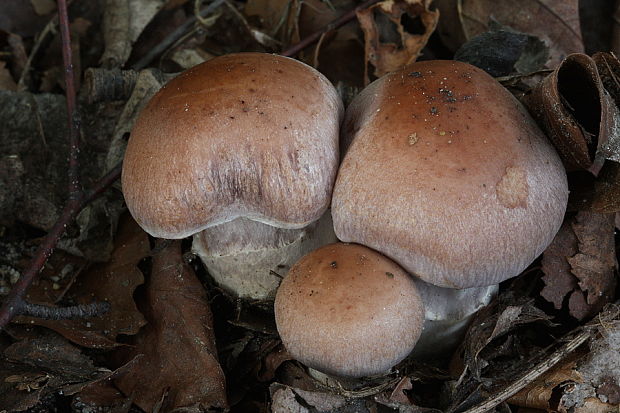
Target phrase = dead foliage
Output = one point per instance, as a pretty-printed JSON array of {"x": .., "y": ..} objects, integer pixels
[{"x": 173, "y": 341}]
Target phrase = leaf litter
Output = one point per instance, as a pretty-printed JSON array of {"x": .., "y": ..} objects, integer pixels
[{"x": 395, "y": 32}]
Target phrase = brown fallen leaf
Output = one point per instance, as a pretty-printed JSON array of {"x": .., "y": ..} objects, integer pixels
[
  {"x": 395, "y": 32},
  {"x": 578, "y": 115},
  {"x": 556, "y": 22},
  {"x": 496, "y": 320},
  {"x": 180, "y": 363},
  {"x": 36, "y": 367},
  {"x": 586, "y": 381},
  {"x": 113, "y": 282},
  {"x": 339, "y": 54},
  {"x": 580, "y": 265}
]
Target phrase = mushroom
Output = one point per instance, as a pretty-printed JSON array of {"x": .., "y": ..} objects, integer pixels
[
  {"x": 449, "y": 176},
  {"x": 246, "y": 146},
  {"x": 348, "y": 311}
]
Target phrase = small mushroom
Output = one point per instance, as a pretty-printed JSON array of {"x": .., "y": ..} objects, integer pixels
[
  {"x": 348, "y": 311},
  {"x": 449, "y": 176},
  {"x": 244, "y": 145}
]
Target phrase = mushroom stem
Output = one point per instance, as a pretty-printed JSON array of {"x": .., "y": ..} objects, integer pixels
[
  {"x": 249, "y": 258},
  {"x": 447, "y": 314}
]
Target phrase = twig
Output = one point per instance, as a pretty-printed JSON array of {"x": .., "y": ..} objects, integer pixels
[
  {"x": 554, "y": 358},
  {"x": 14, "y": 303},
  {"x": 174, "y": 36},
  {"x": 341, "y": 21},
  {"x": 65, "y": 313},
  {"x": 72, "y": 113}
]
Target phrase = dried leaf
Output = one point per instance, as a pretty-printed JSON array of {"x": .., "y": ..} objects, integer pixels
[
  {"x": 556, "y": 22},
  {"x": 180, "y": 365},
  {"x": 43, "y": 7},
  {"x": 395, "y": 33},
  {"x": 494, "y": 321},
  {"x": 502, "y": 52},
  {"x": 113, "y": 282},
  {"x": 537, "y": 394},
  {"x": 285, "y": 399},
  {"x": 580, "y": 264},
  {"x": 41, "y": 366},
  {"x": 6, "y": 80},
  {"x": 587, "y": 381},
  {"x": 578, "y": 114}
]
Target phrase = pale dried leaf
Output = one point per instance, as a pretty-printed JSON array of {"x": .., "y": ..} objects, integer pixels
[{"x": 384, "y": 21}]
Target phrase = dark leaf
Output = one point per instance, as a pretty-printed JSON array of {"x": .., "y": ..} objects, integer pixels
[{"x": 180, "y": 366}]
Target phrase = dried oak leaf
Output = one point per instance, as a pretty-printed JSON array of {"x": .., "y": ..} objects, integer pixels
[
  {"x": 113, "y": 282},
  {"x": 286, "y": 399},
  {"x": 580, "y": 265},
  {"x": 33, "y": 368},
  {"x": 180, "y": 359},
  {"x": 556, "y": 21},
  {"x": 586, "y": 381},
  {"x": 491, "y": 322},
  {"x": 578, "y": 114},
  {"x": 395, "y": 32}
]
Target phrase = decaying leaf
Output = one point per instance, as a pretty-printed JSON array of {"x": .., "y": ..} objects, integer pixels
[
  {"x": 113, "y": 282},
  {"x": 395, "y": 33},
  {"x": 502, "y": 316},
  {"x": 285, "y": 399},
  {"x": 579, "y": 116},
  {"x": 123, "y": 22},
  {"x": 587, "y": 381},
  {"x": 580, "y": 265},
  {"x": 33, "y": 368},
  {"x": 556, "y": 22},
  {"x": 180, "y": 366},
  {"x": 501, "y": 52}
]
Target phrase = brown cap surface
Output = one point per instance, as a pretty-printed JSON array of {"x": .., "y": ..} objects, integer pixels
[
  {"x": 448, "y": 175},
  {"x": 245, "y": 135},
  {"x": 348, "y": 311}
]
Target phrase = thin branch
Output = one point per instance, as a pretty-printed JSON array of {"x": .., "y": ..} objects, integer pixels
[
  {"x": 339, "y": 22},
  {"x": 14, "y": 303},
  {"x": 72, "y": 114},
  {"x": 65, "y": 313},
  {"x": 542, "y": 367}
]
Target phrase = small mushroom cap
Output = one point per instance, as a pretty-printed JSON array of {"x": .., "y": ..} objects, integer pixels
[
  {"x": 244, "y": 135},
  {"x": 348, "y": 311},
  {"x": 448, "y": 175}
]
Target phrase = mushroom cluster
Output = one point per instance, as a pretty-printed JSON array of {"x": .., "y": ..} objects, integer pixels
[
  {"x": 445, "y": 178},
  {"x": 448, "y": 175}
]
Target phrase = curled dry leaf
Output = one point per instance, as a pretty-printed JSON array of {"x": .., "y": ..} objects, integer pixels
[
  {"x": 289, "y": 399},
  {"x": 580, "y": 265},
  {"x": 556, "y": 22},
  {"x": 491, "y": 322},
  {"x": 587, "y": 381},
  {"x": 123, "y": 21},
  {"x": 578, "y": 114},
  {"x": 395, "y": 32},
  {"x": 113, "y": 282},
  {"x": 35, "y": 367},
  {"x": 180, "y": 362}
]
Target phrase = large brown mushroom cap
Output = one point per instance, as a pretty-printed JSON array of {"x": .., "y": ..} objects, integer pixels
[
  {"x": 244, "y": 135},
  {"x": 347, "y": 310},
  {"x": 448, "y": 175}
]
